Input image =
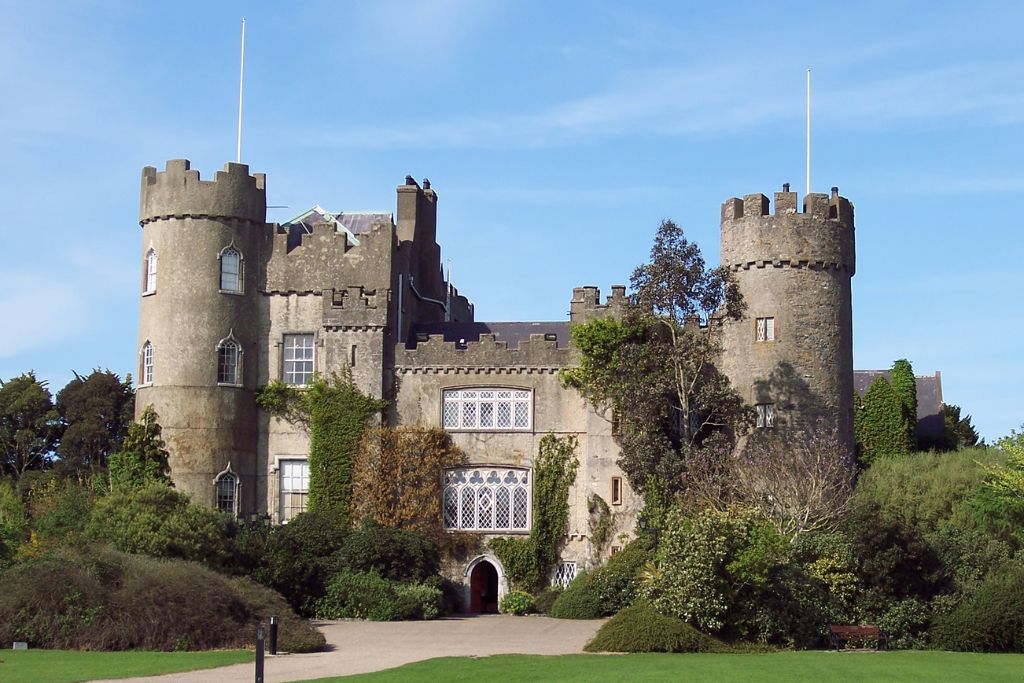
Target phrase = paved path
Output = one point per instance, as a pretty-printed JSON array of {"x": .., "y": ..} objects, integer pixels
[{"x": 362, "y": 646}]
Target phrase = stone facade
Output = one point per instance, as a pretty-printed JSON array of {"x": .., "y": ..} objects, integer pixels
[{"x": 368, "y": 293}]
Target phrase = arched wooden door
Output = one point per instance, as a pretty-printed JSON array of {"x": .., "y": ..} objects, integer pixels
[{"x": 483, "y": 589}]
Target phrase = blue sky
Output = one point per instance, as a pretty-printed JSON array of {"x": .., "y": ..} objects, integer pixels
[{"x": 557, "y": 136}]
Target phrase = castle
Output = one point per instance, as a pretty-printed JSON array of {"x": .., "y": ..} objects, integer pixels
[{"x": 230, "y": 302}]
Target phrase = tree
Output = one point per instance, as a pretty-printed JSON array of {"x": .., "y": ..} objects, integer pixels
[
  {"x": 655, "y": 368},
  {"x": 30, "y": 426},
  {"x": 905, "y": 386},
  {"x": 1007, "y": 481},
  {"x": 97, "y": 410},
  {"x": 142, "y": 459},
  {"x": 960, "y": 433}
]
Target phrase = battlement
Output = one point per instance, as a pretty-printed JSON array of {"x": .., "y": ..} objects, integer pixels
[
  {"x": 179, "y": 192},
  {"x": 821, "y": 236},
  {"x": 487, "y": 352},
  {"x": 586, "y": 303}
]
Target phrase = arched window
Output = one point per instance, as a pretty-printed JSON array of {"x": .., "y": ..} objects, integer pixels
[
  {"x": 149, "y": 280},
  {"x": 226, "y": 486},
  {"x": 229, "y": 361},
  {"x": 486, "y": 408},
  {"x": 492, "y": 499},
  {"x": 146, "y": 366},
  {"x": 231, "y": 270}
]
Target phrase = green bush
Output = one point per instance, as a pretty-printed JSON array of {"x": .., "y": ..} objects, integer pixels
[
  {"x": 515, "y": 602},
  {"x": 368, "y": 595},
  {"x": 395, "y": 554},
  {"x": 546, "y": 599},
  {"x": 906, "y": 624},
  {"x": 642, "y": 629},
  {"x": 101, "y": 599},
  {"x": 158, "y": 521},
  {"x": 992, "y": 620},
  {"x": 617, "y": 584},
  {"x": 578, "y": 601},
  {"x": 416, "y": 601}
]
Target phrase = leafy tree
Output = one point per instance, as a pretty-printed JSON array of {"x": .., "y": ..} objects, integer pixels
[
  {"x": 30, "y": 426},
  {"x": 905, "y": 386},
  {"x": 142, "y": 459},
  {"x": 655, "y": 369},
  {"x": 1007, "y": 481},
  {"x": 879, "y": 422},
  {"x": 959, "y": 430},
  {"x": 97, "y": 410}
]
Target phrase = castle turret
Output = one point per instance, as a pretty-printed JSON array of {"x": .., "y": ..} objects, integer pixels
[
  {"x": 198, "y": 324},
  {"x": 791, "y": 355}
]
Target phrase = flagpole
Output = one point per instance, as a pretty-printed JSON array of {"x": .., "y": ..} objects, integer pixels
[
  {"x": 241, "y": 82},
  {"x": 808, "y": 131}
]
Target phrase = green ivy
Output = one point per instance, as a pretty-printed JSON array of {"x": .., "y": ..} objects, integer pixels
[
  {"x": 336, "y": 414},
  {"x": 601, "y": 521},
  {"x": 879, "y": 422},
  {"x": 904, "y": 385},
  {"x": 528, "y": 561}
]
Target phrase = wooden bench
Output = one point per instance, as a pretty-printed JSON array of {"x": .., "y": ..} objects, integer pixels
[{"x": 842, "y": 633}]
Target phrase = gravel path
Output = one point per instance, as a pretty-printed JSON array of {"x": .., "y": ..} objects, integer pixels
[{"x": 362, "y": 646}]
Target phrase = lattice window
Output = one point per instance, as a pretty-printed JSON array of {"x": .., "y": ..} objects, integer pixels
[
  {"x": 565, "y": 572},
  {"x": 231, "y": 270},
  {"x": 765, "y": 329},
  {"x": 298, "y": 359},
  {"x": 294, "y": 488},
  {"x": 765, "y": 415},
  {"x": 488, "y": 499},
  {"x": 478, "y": 409}
]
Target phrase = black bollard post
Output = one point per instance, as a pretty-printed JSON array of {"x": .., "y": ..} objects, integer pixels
[
  {"x": 259, "y": 654},
  {"x": 273, "y": 635}
]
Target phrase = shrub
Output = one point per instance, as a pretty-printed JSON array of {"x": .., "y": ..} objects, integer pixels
[
  {"x": 906, "y": 624},
  {"x": 642, "y": 629},
  {"x": 358, "y": 595},
  {"x": 546, "y": 598},
  {"x": 101, "y": 599},
  {"x": 617, "y": 584},
  {"x": 515, "y": 602},
  {"x": 578, "y": 601},
  {"x": 418, "y": 601},
  {"x": 395, "y": 554},
  {"x": 989, "y": 621}
]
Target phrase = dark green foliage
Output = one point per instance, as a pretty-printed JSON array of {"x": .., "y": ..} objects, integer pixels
[
  {"x": 30, "y": 426},
  {"x": 546, "y": 599},
  {"x": 529, "y": 561},
  {"x": 905, "y": 386},
  {"x": 992, "y": 620},
  {"x": 395, "y": 554},
  {"x": 13, "y": 522},
  {"x": 880, "y": 420},
  {"x": 578, "y": 601},
  {"x": 96, "y": 410},
  {"x": 367, "y": 595},
  {"x": 142, "y": 459},
  {"x": 336, "y": 414},
  {"x": 516, "y": 602},
  {"x": 642, "y": 629},
  {"x": 959, "y": 430},
  {"x": 157, "y": 520},
  {"x": 297, "y": 557},
  {"x": 60, "y": 509},
  {"x": 905, "y": 624},
  {"x": 104, "y": 600}
]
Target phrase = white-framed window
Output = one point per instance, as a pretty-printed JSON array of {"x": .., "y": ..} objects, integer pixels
[
  {"x": 294, "y": 487},
  {"x": 149, "y": 279},
  {"x": 765, "y": 330},
  {"x": 487, "y": 408},
  {"x": 297, "y": 368},
  {"x": 765, "y": 415},
  {"x": 226, "y": 488},
  {"x": 492, "y": 499},
  {"x": 146, "y": 366},
  {"x": 564, "y": 573},
  {"x": 231, "y": 270},
  {"x": 229, "y": 361}
]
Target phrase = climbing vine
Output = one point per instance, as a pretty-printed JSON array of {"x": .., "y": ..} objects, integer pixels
[
  {"x": 335, "y": 413},
  {"x": 528, "y": 561},
  {"x": 601, "y": 522}
]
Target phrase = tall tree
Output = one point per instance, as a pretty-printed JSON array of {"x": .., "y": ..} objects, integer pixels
[
  {"x": 905, "y": 386},
  {"x": 30, "y": 426},
  {"x": 143, "y": 459},
  {"x": 655, "y": 369},
  {"x": 96, "y": 410},
  {"x": 959, "y": 430}
]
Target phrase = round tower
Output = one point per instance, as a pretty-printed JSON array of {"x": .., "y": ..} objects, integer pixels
[
  {"x": 791, "y": 355},
  {"x": 198, "y": 325}
]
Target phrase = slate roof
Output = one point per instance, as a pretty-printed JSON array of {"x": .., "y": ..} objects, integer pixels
[
  {"x": 930, "y": 419},
  {"x": 353, "y": 223},
  {"x": 510, "y": 332}
]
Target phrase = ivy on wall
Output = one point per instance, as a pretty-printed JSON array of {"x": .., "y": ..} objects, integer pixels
[
  {"x": 529, "y": 561},
  {"x": 335, "y": 412},
  {"x": 905, "y": 385},
  {"x": 600, "y": 523},
  {"x": 879, "y": 422}
]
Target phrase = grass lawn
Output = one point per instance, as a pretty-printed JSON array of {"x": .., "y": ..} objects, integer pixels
[
  {"x": 69, "y": 666},
  {"x": 788, "y": 667}
]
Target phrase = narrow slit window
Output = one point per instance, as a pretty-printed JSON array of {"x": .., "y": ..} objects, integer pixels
[
  {"x": 616, "y": 490},
  {"x": 149, "y": 280},
  {"x": 147, "y": 363}
]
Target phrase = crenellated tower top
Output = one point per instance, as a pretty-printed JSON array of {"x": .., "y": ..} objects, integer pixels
[{"x": 178, "y": 192}]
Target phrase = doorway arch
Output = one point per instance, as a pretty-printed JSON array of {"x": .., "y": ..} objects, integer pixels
[{"x": 484, "y": 585}]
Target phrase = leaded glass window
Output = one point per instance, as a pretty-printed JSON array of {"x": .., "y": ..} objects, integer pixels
[
  {"x": 564, "y": 573},
  {"x": 487, "y": 408},
  {"x": 765, "y": 329},
  {"x": 491, "y": 499},
  {"x": 298, "y": 359},
  {"x": 765, "y": 415}
]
